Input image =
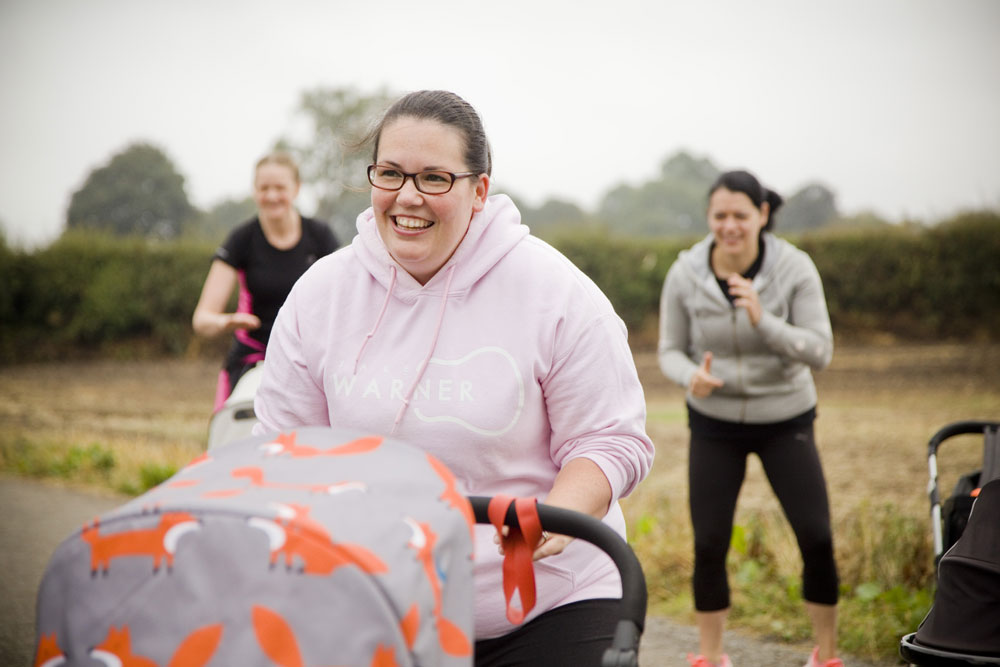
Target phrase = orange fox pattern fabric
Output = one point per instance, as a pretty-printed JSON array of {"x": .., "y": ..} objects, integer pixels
[
  {"x": 153, "y": 542},
  {"x": 314, "y": 547}
]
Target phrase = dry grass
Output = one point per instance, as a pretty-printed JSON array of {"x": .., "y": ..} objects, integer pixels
[
  {"x": 879, "y": 405},
  {"x": 149, "y": 415}
]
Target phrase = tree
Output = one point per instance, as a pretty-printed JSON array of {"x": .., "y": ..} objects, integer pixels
[
  {"x": 331, "y": 158},
  {"x": 215, "y": 223},
  {"x": 811, "y": 207},
  {"x": 675, "y": 203},
  {"x": 139, "y": 192},
  {"x": 672, "y": 204},
  {"x": 553, "y": 212}
]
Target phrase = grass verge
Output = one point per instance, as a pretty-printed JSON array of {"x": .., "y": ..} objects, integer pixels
[
  {"x": 884, "y": 560},
  {"x": 126, "y": 467}
]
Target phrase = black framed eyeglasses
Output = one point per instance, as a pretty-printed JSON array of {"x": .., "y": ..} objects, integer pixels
[{"x": 432, "y": 182}]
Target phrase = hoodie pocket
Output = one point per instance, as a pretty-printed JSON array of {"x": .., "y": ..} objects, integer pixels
[{"x": 553, "y": 584}]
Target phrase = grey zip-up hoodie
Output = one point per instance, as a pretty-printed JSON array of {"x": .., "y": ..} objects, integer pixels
[{"x": 766, "y": 369}]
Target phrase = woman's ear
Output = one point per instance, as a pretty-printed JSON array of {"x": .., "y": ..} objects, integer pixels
[
  {"x": 765, "y": 213},
  {"x": 482, "y": 192}
]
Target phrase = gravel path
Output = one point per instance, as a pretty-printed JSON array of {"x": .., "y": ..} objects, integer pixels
[
  {"x": 666, "y": 643},
  {"x": 38, "y": 516}
]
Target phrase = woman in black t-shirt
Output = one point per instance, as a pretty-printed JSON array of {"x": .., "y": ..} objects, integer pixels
[{"x": 264, "y": 257}]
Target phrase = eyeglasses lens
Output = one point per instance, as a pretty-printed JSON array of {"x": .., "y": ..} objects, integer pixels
[{"x": 428, "y": 182}]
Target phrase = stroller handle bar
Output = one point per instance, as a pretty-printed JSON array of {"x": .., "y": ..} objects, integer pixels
[
  {"x": 625, "y": 645},
  {"x": 958, "y": 428},
  {"x": 949, "y": 431},
  {"x": 969, "y": 426}
]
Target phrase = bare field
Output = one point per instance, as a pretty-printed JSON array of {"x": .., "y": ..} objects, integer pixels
[{"x": 879, "y": 405}]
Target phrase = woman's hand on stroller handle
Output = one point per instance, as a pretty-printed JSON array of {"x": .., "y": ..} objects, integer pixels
[{"x": 549, "y": 545}]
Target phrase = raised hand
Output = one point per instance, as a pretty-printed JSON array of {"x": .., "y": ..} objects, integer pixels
[
  {"x": 703, "y": 383},
  {"x": 745, "y": 297},
  {"x": 242, "y": 321}
]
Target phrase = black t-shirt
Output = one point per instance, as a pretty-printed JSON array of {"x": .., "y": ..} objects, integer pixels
[{"x": 266, "y": 274}]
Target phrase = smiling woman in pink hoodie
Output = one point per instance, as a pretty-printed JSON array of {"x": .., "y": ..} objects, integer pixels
[{"x": 447, "y": 325}]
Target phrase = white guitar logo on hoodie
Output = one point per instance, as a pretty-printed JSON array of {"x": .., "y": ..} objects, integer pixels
[{"x": 461, "y": 422}]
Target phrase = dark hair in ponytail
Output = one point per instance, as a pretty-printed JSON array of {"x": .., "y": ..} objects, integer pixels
[
  {"x": 446, "y": 108},
  {"x": 747, "y": 183}
]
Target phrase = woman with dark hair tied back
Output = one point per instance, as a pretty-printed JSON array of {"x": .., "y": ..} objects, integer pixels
[
  {"x": 743, "y": 323},
  {"x": 446, "y": 324}
]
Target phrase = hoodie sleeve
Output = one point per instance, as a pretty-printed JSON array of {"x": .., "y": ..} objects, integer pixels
[
  {"x": 675, "y": 325},
  {"x": 806, "y": 336},
  {"x": 596, "y": 405},
  {"x": 288, "y": 397}
]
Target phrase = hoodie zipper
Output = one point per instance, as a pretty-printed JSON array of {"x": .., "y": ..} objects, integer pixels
[{"x": 738, "y": 355}]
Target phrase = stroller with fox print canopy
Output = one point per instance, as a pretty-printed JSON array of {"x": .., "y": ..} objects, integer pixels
[{"x": 315, "y": 547}]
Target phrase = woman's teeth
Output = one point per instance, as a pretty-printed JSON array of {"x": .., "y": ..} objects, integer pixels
[{"x": 412, "y": 223}]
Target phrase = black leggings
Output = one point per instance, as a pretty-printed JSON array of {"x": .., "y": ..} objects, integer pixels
[
  {"x": 574, "y": 635},
  {"x": 716, "y": 471}
]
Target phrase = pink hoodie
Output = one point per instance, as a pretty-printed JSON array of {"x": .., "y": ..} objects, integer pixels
[{"x": 508, "y": 363}]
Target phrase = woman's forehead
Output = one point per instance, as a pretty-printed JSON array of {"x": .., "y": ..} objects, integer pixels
[
  {"x": 274, "y": 171},
  {"x": 726, "y": 198},
  {"x": 421, "y": 143}
]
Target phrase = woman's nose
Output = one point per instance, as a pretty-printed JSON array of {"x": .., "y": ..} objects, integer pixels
[{"x": 409, "y": 193}]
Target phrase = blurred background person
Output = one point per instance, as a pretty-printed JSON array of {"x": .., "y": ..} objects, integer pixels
[
  {"x": 743, "y": 323},
  {"x": 264, "y": 256}
]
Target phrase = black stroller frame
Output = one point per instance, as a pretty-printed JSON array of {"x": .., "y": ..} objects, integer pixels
[
  {"x": 948, "y": 521},
  {"x": 624, "y": 649},
  {"x": 944, "y": 535}
]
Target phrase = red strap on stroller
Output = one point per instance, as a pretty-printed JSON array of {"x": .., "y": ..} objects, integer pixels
[{"x": 518, "y": 546}]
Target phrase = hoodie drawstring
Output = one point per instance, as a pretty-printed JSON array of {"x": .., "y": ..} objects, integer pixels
[
  {"x": 430, "y": 351},
  {"x": 378, "y": 320}
]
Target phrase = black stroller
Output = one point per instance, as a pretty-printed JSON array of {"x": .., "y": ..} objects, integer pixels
[{"x": 963, "y": 625}]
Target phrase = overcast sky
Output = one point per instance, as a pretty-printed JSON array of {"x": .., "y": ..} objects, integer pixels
[{"x": 892, "y": 104}]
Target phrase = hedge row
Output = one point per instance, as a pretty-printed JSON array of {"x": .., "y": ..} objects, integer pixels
[
  {"x": 914, "y": 283},
  {"x": 936, "y": 283},
  {"x": 87, "y": 292}
]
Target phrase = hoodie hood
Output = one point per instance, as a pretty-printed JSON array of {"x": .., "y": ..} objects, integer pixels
[
  {"x": 492, "y": 233},
  {"x": 695, "y": 261},
  {"x": 695, "y": 258}
]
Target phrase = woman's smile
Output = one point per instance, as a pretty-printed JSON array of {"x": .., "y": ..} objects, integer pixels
[{"x": 408, "y": 223}]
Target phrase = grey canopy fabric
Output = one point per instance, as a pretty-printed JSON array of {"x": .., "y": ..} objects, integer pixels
[{"x": 315, "y": 547}]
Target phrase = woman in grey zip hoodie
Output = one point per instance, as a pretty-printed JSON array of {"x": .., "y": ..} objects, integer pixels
[{"x": 743, "y": 323}]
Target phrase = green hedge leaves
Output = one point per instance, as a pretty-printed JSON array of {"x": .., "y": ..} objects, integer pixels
[{"x": 88, "y": 292}]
